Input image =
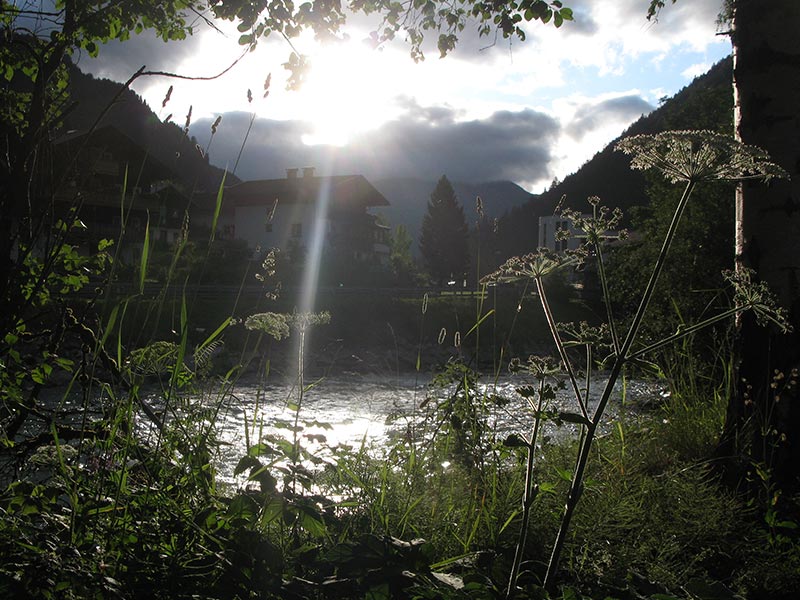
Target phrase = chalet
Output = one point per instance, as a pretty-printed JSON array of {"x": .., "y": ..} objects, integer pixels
[
  {"x": 283, "y": 213},
  {"x": 96, "y": 166}
]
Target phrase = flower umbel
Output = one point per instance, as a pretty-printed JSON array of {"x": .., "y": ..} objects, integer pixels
[
  {"x": 695, "y": 156},
  {"x": 756, "y": 295},
  {"x": 600, "y": 226},
  {"x": 532, "y": 266}
]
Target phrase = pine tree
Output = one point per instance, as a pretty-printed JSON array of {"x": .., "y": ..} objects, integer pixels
[{"x": 443, "y": 241}]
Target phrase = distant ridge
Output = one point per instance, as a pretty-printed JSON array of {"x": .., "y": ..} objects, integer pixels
[
  {"x": 706, "y": 103},
  {"x": 409, "y": 198}
]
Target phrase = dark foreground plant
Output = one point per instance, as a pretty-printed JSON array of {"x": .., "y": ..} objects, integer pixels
[{"x": 683, "y": 156}]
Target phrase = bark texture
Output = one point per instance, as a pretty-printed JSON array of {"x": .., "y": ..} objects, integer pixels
[{"x": 764, "y": 415}]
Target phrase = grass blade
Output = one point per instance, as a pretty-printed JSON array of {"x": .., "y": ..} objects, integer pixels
[
  {"x": 145, "y": 255},
  {"x": 218, "y": 206}
]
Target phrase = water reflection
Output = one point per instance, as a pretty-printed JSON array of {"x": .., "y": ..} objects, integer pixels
[{"x": 352, "y": 411}]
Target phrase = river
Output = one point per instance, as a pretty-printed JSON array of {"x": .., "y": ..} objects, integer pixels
[{"x": 353, "y": 410}]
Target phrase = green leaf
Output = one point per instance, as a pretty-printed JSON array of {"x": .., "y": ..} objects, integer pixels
[
  {"x": 218, "y": 206},
  {"x": 246, "y": 462},
  {"x": 569, "y": 417},
  {"x": 145, "y": 254},
  {"x": 214, "y": 335},
  {"x": 515, "y": 441},
  {"x": 311, "y": 520}
]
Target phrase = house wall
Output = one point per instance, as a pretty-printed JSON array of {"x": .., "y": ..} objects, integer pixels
[
  {"x": 548, "y": 226},
  {"x": 253, "y": 225}
]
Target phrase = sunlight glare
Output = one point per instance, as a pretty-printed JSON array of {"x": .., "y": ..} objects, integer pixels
[{"x": 348, "y": 92}]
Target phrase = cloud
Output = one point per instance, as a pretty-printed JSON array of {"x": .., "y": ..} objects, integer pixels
[
  {"x": 119, "y": 60},
  {"x": 589, "y": 117},
  {"x": 505, "y": 146},
  {"x": 695, "y": 70}
]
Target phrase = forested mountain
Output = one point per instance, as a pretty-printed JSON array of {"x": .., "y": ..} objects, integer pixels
[
  {"x": 707, "y": 103},
  {"x": 165, "y": 141}
]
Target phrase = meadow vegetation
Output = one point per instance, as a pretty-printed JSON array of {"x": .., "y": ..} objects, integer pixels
[
  {"x": 109, "y": 449},
  {"x": 110, "y": 396}
]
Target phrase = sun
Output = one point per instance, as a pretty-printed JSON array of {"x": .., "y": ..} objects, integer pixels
[{"x": 349, "y": 90}]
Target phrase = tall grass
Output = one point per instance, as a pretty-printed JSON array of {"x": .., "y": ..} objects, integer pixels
[{"x": 114, "y": 493}]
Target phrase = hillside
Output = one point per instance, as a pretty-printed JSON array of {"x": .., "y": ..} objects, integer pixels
[
  {"x": 131, "y": 115},
  {"x": 707, "y": 103}
]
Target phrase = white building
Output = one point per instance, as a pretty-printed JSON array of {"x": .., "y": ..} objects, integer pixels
[
  {"x": 283, "y": 213},
  {"x": 548, "y": 228}
]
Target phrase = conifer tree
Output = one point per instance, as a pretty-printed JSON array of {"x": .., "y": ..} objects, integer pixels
[{"x": 443, "y": 241}]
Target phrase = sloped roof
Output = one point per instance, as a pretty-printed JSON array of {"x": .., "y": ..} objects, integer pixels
[
  {"x": 347, "y": 191},
  {"x": 112, "y": 138}
]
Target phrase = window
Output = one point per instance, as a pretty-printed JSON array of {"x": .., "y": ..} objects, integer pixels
[{"x": 297, "y": 230}]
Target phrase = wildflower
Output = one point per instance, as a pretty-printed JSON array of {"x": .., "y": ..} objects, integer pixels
[
  {"x": 695, "y": 156},
  {"x": 273, "y": 324},
  {"x": 756, "y": 296},
  {"x": 533, "y": 266},
  {"x": 277, "y": 324},
  {"x": 538, "y": 366},
  {"x": 595, "y": 228},
  {"x": 585, "y": 334}
]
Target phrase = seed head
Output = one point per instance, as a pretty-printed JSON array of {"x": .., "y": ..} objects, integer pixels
[
  {"x": 532, "y": 266},
  {"x": 695, "y": 156},
  {"x": 216, "y": 124},
  {"x": 188, "y": 121},
  {"x": 167, "y": 97}
]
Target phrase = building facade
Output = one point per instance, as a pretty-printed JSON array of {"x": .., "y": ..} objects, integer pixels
[{"x": 290, "y": 213}]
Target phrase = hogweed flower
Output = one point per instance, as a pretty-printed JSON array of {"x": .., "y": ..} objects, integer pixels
[
  {"x": 278, "y": 325},
  {"x": 584, "y": 334},
  {"x": 756, "y": 295},
  {"x": 534, "y": 265},
  {"x": 599, "y": 226},
  {"x": 537, "y": 366},
  {"x": 695, "y": 156}
]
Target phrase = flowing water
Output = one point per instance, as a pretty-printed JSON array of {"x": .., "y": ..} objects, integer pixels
[{"x": 371, "y": 410}]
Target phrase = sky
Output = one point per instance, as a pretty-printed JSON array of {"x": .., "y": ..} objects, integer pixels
[{"x": 527, "y": 111}]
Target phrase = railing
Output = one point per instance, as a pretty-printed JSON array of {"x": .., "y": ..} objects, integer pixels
[{"x": 250, "y": 291}]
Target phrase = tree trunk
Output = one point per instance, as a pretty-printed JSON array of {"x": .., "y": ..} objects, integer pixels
[{"x": 764, "y": 413}]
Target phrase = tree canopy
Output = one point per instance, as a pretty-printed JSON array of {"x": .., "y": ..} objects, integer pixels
[{"x": 443, "y": 240}]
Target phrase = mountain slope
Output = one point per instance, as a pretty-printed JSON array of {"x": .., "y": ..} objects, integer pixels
[
  {"x": 133, "y": 117},
  {"x": 707, "y": 103}
]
